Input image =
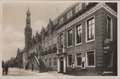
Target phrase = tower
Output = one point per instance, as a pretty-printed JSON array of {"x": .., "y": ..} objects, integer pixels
[{"x": 28, "y": 29}]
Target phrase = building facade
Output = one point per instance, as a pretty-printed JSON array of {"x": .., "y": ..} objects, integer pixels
[{"x": 81, "y": 39}]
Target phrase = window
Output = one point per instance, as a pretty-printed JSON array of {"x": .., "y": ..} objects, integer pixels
[
  {"x": 69, "y": 14},
  {"x": 61, "y": 40},
  {"x": 79, "y": 59},
  {"x": 61, "y": 20},
  {"x": 109, "y": 27},
  {"x": 78, "y": 34},
  {"x": 78, "y": 7},
  {"x": 69, "y": 60},
  {"x": 91, "y": 29},
  {"x": 50, "y": 62},
  {"x": 46, "y": 52},
  {"x": 70, "y": 37},
  {"x": 54, "y": 48},
  {"x": 90, "y": 58},
  {"x": 54, "y": 61},
  {"x": 46, "y": 60}
]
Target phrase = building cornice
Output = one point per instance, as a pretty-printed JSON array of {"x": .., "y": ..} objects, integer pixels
[{"x": 94, "y": 9}]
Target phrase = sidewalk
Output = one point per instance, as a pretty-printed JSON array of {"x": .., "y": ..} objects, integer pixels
[{"x": 22, "y": 72}]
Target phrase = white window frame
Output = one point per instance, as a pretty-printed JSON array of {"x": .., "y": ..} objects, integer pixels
[
  {"x": 76, "y": 60},
  {"x": 87, "y": 59},
  {"x": 67, "y": 38},
  {"x": 111, "y": 26},
  {"x": 86, "y": 29},
  {"x": 76, "y": 35}
]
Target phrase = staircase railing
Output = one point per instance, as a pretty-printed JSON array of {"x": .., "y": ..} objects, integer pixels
[
  {"x": 41, "y": 65},
  {"x": 37, "y": 60}
]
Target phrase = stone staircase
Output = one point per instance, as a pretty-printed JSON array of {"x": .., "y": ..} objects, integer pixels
[{"x": 41, "y": 65}]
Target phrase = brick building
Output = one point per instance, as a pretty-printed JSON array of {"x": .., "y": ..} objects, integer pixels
[{"x": 81, "y": 39}]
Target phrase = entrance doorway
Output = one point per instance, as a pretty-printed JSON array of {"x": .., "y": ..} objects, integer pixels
[
  {"x": 61, "y": 65},
  {"x": 108, "y": 60}
]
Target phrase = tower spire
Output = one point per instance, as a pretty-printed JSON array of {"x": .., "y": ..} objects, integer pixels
[
  {"x": 28, "y": 7},
  {"x": 28, "y": 19},
  {"x": 28, "y": 29}
]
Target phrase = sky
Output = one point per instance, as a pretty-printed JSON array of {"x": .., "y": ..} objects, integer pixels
[{"x": 14, "y": 22}]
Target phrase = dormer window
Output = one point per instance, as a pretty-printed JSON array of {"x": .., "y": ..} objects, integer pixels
[
  {"x": 61, "y": 20},
  {"x": 69, "y": 14},
  {"x": 78, "y": 7}
]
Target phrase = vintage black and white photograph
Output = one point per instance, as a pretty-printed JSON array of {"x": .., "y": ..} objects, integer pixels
[{"x": 62, "y": 38}]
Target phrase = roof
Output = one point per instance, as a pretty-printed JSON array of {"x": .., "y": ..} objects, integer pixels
[{"x": 63, "y": 13}]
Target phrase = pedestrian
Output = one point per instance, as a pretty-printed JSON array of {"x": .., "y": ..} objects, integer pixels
[
  {"x": 32, "y": 67},
  {"x": 6, "y": 68},
  {"x": 3, "y": 68}
]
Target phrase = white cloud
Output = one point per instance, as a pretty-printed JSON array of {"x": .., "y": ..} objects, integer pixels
[
  {"x": 12, "y": 40},
  {"x": 12, "y": 35},
  {"x": 37, "y": 26}
]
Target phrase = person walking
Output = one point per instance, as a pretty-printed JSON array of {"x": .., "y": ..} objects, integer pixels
[
  {"x": 3, "y": 68},
  {"x": 32, "y": 66},
  {"x": 6, "y": 68}
]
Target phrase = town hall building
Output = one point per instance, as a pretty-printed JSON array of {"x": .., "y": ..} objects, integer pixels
[{"x": 82, "y": 40}]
